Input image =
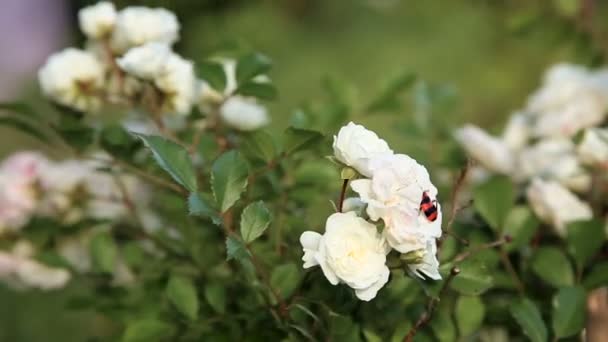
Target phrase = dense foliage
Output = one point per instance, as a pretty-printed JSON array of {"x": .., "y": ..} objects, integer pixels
[{"x": 185, "y": 218}]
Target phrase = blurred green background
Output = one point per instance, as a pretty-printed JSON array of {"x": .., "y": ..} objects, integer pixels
[{"x": 488, "y": 54}]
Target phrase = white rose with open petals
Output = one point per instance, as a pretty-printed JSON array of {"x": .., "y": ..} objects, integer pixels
[
  {"x": 517, "y": 133},
  {"x": 73, "y": 78},
  {"x": 492, "y": 153},
  {"x": 97, "y": 21},
  {"x": 138, "y": 25},
  {"x": 393, "y": 194},
  {"x": 429, "y": 266},
  {"x": 555, "y": 205},
  {"x": 351, "y": 251},
  {"x": 147, "y": 61},
  {"x": 355, "y": 145},
  {"x": 593, "y": 149}
]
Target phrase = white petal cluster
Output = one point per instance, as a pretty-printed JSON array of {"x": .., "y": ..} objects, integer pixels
[
  {"x": 19, "y": 269},
  {"x": 138, "y": 25},
  {"x": 353, "y": 250},
  {"x": 593, "y": 149},
  {"x": 236, "y": 111},
  {"x": 556, "y": 205},
  {"x": 73, "y": 78},
  {"x": 97, "y": 21},
  {"x": 537, "y": 148}
]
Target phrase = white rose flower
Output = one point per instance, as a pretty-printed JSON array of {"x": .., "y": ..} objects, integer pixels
[
  {"x": 244, "y": 114},
  {"x": 178, "y": 84},
  {"x": 429, "y": 266},
  {"x": 97, "y": 21},
  {"x": 355, "y": 145},
  {"x": 492, "y": 153},
  {"x": 517, "y": 132},
  {"x": 583, "y": 112},
  {"x": 593, "y": 149},
  {"x": 553, "y": 159},
  {"x": 351, "y": 251},
  {"x": 72, "y": 78},
  {"x": 146, "y": 61},
  {"x": 138, "y": 25},
  {"x": 555, "y": 205},
  {"x": 394, "y": 194}
]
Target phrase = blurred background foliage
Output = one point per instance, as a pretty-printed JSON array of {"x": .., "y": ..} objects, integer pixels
[{"x": 475, "y": 61}]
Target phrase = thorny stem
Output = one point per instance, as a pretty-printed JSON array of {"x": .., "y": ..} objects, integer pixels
[
  {"x": 431, "y": 306},
  {"x": 504, "y": 257},
  {"x": 342, "y": 195},
  {"x": 466, "y": 254}
]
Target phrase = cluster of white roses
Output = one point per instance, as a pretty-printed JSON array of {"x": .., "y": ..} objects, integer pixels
[
  {"x": 68, "y": 190},
  {"x": 353, "y": 250},
  {"x": 537, "y": 146},
  {"x": 129, "y": 60}
]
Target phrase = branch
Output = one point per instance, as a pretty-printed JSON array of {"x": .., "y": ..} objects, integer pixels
[
  {"x": 342, "y": 195},
  {"x": 431, "y": 306}
]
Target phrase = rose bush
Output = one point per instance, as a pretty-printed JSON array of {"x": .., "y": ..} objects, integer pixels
[{"x": 179, "y": 215}]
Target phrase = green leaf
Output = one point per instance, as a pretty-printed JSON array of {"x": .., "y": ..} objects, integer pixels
[
  {"x": 215, "y": 294},
  {"x": 552, "y": 266},
  {"x": 20, "y": 108},
  {"x": 104, "y": 252},
  {"x": 443, "y": 325},
  {"x": 469, "y": 313},
  {"x": 568, "y": 311},
  {"x": 148, "y": 330},
  {"x": 298, "y": 139},
  {"x": 259, "y": 144},
  {"x": 23, "y": 126},
  {"x": 261, "y": 90},
  {"x": 213, "y": 73},
  {"x": 198, "y": 205},
  {"x": 388, "y": 99},
  {"x": 235, "y": 249},
  {"x": 521, "y": 224},
  {"x": 254, "y": 221},
  {"x": 285, "y": 279},
  {"x": 493, "y": 200},
  {"x": 182, "y": 294},
  {"x": 584, "y": 239},
  {"x": 528, "y": 317},
  {"x": 473, "y": 279},
  {"x": 597, "y": 276},
  {"x": 228, "y": 179},
  {"x": 251, "y": 66},
  {"x": 173, "y": 158}
]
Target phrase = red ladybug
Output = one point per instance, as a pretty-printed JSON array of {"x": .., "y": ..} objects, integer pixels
[{"x": 428, "y": 207}]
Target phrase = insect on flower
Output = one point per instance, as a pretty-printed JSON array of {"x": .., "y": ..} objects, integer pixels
[{"x": 428, "y": 207}]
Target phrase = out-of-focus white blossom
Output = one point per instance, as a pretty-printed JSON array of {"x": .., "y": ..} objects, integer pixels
[
  {"x": 517, "y": 132},
  {"x": 553, "y": 159},
  {"x": 147, "y": 61},
  {"x": 492, "y": 153},
  {"x": 178, "y": 84},
  {"x": 244, "y": 114},
  {"x": 73, "y": 78},
  {"x": 351, "y": 251},
  {"x": 570, "y": 99},
  {"x": 19, "y": 177},
  {"x": 555, "y": 205},
  {"x": 97, "y": 21},
  {"x": 19, "y": 269},
  {"x": 355, "y": 146},
  {"x": 138, "y": 25},
  {"x": 593, "y": 149},
  {"x": 393, "y": 194}
]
